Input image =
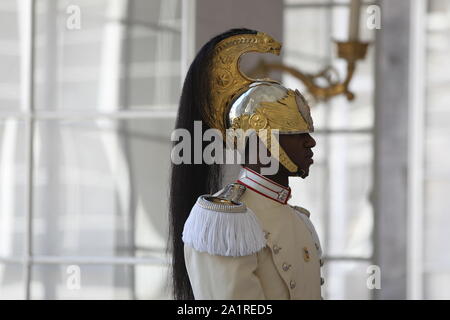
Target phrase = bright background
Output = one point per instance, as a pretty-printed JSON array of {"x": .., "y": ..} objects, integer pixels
[{"x": 85, "y": 142}]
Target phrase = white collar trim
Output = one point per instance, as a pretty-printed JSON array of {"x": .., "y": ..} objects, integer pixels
[{"x": 264, "y": 186}]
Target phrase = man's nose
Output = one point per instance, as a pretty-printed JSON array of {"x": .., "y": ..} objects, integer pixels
[{"x": 310, "y": 142}]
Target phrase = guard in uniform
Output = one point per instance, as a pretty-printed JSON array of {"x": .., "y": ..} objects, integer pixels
[{"x": 244, "y": 241}]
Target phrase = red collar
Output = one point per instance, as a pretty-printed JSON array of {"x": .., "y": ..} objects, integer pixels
[{"x": 264, "y": 186}]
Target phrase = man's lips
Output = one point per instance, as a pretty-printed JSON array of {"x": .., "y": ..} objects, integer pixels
[{"x": 310, "y": 156}]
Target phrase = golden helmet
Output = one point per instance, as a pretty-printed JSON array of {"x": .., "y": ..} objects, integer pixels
[{"x": 239, "y": 102}]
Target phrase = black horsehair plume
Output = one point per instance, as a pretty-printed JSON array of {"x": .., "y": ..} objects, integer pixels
[{"x": 189, "y": 181}]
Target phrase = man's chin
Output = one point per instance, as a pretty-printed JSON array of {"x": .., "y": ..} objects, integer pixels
[{"x": 302, "y": 173}]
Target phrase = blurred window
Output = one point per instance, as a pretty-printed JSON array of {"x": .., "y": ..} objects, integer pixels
[
  {"x": 87, "y": 219},
  {"x": 339, "y": 187},
  {"x": 436, "y": 269}
]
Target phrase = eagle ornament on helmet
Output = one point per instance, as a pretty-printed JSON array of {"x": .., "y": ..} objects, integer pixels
[{"x": 239, "y": 102}]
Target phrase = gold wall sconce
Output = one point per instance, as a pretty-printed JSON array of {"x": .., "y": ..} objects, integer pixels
[{"x": 326, "y": 83}]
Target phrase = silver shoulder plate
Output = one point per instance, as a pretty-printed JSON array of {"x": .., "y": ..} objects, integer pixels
[{"x": 232, "y": 192}]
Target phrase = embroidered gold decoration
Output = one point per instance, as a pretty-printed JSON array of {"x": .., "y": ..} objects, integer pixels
[
  {"x": 306, "y": 256},
  {"x": 226, "y": 78}
]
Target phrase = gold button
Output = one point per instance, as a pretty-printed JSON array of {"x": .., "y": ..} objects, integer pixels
[
  {"x": 276, "y": 249},
  {"x": 321, "y": 262},
  {"x": 306, "y": 254},
  {"x": 286, "y": 266},
  {"x": 292, "y": 284},
  {"x": 322, "y": 281}
]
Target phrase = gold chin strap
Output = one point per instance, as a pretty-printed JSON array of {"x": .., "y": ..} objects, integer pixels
[{"x": 269, "y": 141}]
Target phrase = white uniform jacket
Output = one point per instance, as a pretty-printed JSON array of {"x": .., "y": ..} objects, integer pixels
[{"x": 286, "y": 267}]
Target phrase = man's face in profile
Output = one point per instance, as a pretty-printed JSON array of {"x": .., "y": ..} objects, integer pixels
[{"x": 298, "y": 147}]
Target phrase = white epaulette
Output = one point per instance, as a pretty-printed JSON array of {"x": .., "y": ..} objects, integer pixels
[
  {"x": 223, "y": 227},
  {"x": 304, "y": 215}
]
